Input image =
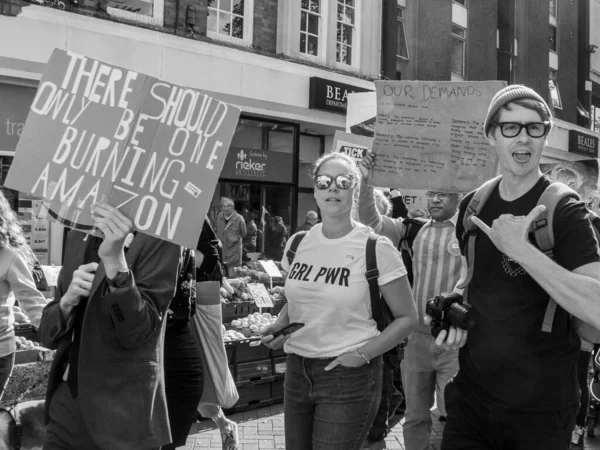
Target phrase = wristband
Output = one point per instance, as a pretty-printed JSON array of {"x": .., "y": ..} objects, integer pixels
[{"x": 361, "y": 353}]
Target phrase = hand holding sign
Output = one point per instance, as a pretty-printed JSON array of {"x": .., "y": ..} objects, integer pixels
[
  {"x": 366, "y": 166},
  {"x": 509, "y": 233},
  {"x": 115, "y": 227}
]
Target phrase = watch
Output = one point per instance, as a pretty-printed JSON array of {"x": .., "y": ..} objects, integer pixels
[{"x": 120, "y": 281}]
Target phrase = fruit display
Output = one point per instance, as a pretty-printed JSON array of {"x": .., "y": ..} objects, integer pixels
[
  {"x": 26, "y": 344},
  {"x": 235, "y": 290},
  {"x": 251, "y": 326}
]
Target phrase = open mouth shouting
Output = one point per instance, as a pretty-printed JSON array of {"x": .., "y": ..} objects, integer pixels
[{"x": 522, "y": 156}]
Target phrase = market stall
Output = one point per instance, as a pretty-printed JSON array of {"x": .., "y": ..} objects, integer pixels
[{"x": 251, "y": 302}]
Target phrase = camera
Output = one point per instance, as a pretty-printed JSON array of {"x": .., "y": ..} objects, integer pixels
[{"x": 448, "y": 309}]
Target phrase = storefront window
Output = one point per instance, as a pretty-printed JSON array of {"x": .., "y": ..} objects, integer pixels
[
  {"x": 311, "y": 147},
  {"x": 281, "y": 139}
]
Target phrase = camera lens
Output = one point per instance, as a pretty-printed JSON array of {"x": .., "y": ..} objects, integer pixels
[{"x": 460, "y": 316}]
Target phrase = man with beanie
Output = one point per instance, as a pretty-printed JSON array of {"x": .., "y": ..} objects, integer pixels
[{"x": 517, "y": 385}]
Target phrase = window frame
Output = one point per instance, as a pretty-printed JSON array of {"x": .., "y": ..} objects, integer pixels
[
  {"x": 463, "y": 40},
  {"x": 321, "y": 31},
  {"x": 157, "y": 18},
  {"x": 400, "y": 21},
  {"x": 556, "y": 101},
  {"x": 248, "y": 27},
  {"x": 462, "y": 3},
  {"x": 352, "y": 25}
]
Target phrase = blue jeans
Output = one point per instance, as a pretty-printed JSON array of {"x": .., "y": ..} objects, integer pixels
[
  {"x": 426, "y": 369},
  {"x": 6, "y": 367},
  {"x": 329, "y": 410}
]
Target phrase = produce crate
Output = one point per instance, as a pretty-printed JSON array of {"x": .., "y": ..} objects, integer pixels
[
  {"x": 252, "y": 372},
  {"x": 230, "y": 350},
  {"x": 27, "y": 331},
  {"x": 232, "y": 311},
  {"x": 250, "y": 350},
  {"x": 252, "y": 396},
  {"x": 279, "y": 367},
  {"x": 277, "y": 390}
]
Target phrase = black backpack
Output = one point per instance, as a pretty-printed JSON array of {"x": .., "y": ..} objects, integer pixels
[
  {"x": 381, "y": 311},
  {"x": 543, "y": 231},
  {"x": 405, "y": 246}
]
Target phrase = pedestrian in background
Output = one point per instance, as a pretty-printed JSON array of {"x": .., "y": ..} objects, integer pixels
[
  {"x": 231, "y": 229},
  {"x": 310, "y": 220},
  {"x": 16, "y": 283}
]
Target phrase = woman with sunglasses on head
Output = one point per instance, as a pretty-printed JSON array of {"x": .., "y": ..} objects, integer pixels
[{"x": 334, "y": 364}]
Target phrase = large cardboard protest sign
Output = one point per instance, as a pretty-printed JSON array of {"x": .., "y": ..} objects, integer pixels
[
  {"x": 428, "y": 135},
  {"x": 100, "y": 133}
]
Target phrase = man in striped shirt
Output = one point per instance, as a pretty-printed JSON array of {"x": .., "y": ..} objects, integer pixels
[{"x": 426, "y": 368}]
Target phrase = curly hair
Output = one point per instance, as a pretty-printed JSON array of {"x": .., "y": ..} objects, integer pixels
[{"x": 11, "y": 233}]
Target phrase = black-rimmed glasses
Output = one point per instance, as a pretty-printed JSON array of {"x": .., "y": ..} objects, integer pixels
[
  {"x": 323, "y": 182},
  {"x": 513, "y": 129}
]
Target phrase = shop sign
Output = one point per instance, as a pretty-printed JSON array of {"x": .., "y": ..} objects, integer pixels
[
  {"x": 258, "y": 165},
  {"x": 330, "y": 95},
  {"x": 14, "y": 106},
  {"x": 583, "y": 143}
]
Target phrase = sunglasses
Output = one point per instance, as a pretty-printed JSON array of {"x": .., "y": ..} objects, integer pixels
[
  {"x": 323, "y": 182},
  {"x": 513, "y": 129},
  {"x": 440, "y": 195}
]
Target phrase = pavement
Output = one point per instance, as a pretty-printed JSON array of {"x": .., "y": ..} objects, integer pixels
[{"x": 262, "y": 429}]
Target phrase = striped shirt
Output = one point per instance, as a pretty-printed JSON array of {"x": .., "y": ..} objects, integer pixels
[
  {"x": 436, "y": 263},
  {"x": 436, "y": 254}
]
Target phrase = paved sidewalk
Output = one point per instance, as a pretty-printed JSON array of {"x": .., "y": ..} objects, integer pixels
[{"x": 262, "y": 429}]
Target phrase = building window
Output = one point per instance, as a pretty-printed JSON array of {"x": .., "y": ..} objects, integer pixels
[
  {"x": 461, "y": 2},
  {"x": 553, "y": 7},
  {"x": 310, "y": 21},
  {"x": 595, "y": 118},
  {"x": 458, "y": 51},
  {"x": 402, "y": 45},
  {"x": 554, "y": 92},
  {"x": 345, "y": 31},
  {"x": 144, "y": 11},
  {"x": 230, "y": 20},
  {"x": 552, "y": 38}
]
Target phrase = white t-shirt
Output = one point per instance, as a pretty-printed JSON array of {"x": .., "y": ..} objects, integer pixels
[{"x": 327, "y": 290}]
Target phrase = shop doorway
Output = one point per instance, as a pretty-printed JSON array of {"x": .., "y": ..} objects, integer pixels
[{"x": 267, "y": 210}]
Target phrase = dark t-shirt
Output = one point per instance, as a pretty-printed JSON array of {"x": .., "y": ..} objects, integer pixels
[{"x": 508, "y": 359}]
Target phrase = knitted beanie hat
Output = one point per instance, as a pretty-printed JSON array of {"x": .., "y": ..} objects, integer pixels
[{"x": 507, "y": 95}]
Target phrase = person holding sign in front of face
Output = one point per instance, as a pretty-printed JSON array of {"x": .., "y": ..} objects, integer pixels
[
  {"x": 106, "y": 388},
  {"x": 334, "y": 364}
]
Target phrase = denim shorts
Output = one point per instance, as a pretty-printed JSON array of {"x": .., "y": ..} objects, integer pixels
[{"x": 330, "y": 410}]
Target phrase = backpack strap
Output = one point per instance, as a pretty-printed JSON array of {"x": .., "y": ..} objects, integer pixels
[
  {"x": 291, "y": 253},
  {"x": 470, "y": 229},
  {"x": 543, "y": 231},
  {"x": 412, "y": 226},
  {"x": 372, "y": 275}
]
